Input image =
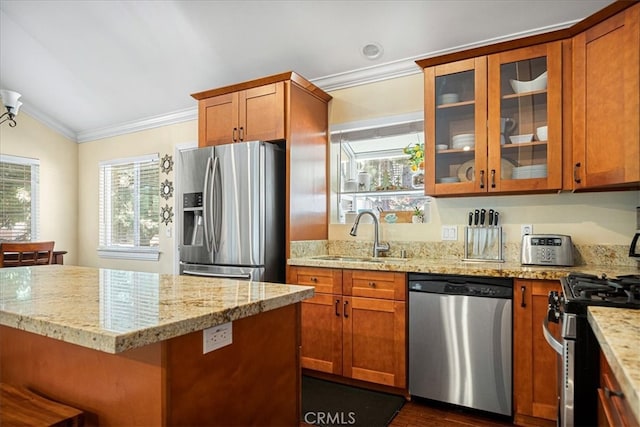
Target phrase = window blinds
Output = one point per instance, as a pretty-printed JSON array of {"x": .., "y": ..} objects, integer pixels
[
  {"x": 19, "y": 198},
  {"x": 130, "y": 203}
]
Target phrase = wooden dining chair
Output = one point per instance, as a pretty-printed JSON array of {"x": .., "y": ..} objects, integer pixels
[{"x": 18, "y": 254}]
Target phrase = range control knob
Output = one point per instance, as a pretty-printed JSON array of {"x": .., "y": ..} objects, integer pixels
[
  {"x": 554, "y": 299},
  {"x": 553, "y": 315}
]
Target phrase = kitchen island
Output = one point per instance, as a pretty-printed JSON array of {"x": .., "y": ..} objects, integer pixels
[{"x": 127, "y": 347}]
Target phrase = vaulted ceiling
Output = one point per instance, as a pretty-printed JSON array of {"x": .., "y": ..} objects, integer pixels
[{"x": 91, "y": 68}]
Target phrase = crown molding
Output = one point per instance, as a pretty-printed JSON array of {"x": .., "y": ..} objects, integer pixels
[
  {"x": 375, "y": 73},
  {"x": 139, "y": 125},
  {"x": 50, "y": 122},
  {"x": 408, "y": 66}
]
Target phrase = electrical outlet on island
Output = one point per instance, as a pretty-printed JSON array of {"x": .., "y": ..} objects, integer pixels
[{"x": 216, "y": 337}]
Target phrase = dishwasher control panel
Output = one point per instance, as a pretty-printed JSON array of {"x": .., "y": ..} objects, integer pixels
[{"x": 462, "y": 285}]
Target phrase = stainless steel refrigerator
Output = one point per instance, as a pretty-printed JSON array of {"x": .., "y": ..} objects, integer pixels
[{"x": 232, "y": 211}]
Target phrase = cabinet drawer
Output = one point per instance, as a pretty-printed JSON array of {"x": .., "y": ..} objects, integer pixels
[
  {"x": 613, "y": 408},
  {"x": 325, "y": 280},
  {"x": 375, "y": 284}
]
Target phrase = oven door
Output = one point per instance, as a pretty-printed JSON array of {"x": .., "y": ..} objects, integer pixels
[{"x": 565, "y": 366}]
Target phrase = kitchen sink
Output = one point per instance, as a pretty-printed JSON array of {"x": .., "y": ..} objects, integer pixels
[{"x": 357, "y": 259}]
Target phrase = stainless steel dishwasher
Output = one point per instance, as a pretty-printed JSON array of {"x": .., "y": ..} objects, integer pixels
[{"x": 460, "y": 340}]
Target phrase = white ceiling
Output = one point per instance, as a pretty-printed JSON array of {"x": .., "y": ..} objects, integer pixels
[{"x": 93, "y": 68}]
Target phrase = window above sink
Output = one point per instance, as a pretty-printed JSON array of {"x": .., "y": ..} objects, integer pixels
[{"x": 378, "y": 167}]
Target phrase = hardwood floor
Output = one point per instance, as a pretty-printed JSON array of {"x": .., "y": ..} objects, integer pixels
[{"x": 418, "y": 414}]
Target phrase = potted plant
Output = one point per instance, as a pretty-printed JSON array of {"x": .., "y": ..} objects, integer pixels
[
  {"x": 417, "y": 216},
  {"x": 416, "y": 156}
]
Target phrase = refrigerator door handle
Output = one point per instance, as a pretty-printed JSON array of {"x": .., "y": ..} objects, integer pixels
[
  {"x": 220, "y": 275},
  {"x": 205, "y": 205},
  {"x": 214, "y": 202}
]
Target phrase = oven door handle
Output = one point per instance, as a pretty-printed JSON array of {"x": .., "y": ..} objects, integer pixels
[{"x": 548, "y": 336}]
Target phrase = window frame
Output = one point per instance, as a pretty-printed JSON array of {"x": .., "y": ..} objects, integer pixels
[
  {"x": 35, "y": 190},
  {"x": 105, "y": 248}
]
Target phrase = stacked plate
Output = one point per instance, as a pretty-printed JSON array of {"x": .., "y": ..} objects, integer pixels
[
  {"x": 448, "y": 179},
  {"x": 463, "y": 141},
  {"x": 527, "y": 172}
]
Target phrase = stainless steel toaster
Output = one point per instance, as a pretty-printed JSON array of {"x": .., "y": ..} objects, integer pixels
[{"x": 547, "y": 249}]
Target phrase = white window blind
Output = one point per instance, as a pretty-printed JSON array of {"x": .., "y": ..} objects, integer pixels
[
  {"x": 130, "y": 207},
  {"x": 19, "y": 198}
]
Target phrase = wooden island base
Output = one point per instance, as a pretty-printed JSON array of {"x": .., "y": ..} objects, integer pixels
[{"x": 254, "y": 381}]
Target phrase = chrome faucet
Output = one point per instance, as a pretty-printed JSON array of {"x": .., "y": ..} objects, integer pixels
[{"x": 377, "y": 245}]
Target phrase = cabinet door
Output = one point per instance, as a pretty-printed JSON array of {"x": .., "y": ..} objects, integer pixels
[
  {"x": 262, "y": 113},
  {"x": 525, "y": 119},
  {"x": 375, "y": 284},
  {"x": 535, "y": 367},
  {"x": 606, "y": 86},
  {"x": 456, "y": 127},
  {"x": 322, "y": 333},
  {"x": 374, "y": 343},
  {"x": 218, "y": 120}
]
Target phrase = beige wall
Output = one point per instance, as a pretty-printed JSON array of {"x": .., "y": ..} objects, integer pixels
[
  {"x": 69, "y": 183},
  {"x": 591, "y": 218},
  {"x": 380, "y": 99},
  {"x": 58, "y": 179},
  {"x": 163, "y": 141}
]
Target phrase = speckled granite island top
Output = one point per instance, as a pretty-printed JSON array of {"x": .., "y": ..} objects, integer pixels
[
  {"x": 618, "y": 332},
  {"x": 452, "y": 266},
  {"x": 115, "y": 310}
]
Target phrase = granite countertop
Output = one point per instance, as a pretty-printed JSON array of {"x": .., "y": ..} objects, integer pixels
[
  {"x": 115, "y": 310},
  {"x": 618, "y": 332},
  {"x": 453, "y": 266}
]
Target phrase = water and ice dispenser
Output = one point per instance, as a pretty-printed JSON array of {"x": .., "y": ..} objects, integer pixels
[{"x": 193, "y": 221}]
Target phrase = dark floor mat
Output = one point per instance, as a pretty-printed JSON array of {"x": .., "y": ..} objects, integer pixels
[{"x": 326, "y": 403}]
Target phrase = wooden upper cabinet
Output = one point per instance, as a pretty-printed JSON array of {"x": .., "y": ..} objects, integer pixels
[
  {"x": 248, "y": 115},
  {"x": 606, "y": 98},
  {"x": 292, "y": 111},
  {"x": 525, "y": 119},
  {"x": 483, "y": 134}
]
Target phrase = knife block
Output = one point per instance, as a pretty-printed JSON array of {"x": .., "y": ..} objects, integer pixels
[{"x": 483, "y": 243}]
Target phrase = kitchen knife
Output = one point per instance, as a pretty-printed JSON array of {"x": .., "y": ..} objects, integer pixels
[
  {"x": 476, "y": 219},
  {"x": 496, "y": 230},
  {"x": 483, "y": 232},
  {"x": 470, "y": 219},
  {"x": 490, "y": 238}
]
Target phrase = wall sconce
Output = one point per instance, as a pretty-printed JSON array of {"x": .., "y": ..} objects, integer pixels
[{"x": 11, "y": 103}]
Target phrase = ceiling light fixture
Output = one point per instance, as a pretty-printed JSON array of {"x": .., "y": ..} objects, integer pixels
[
  {"x": 372, "y": 50},
  {"x": 11, "y": 103}
]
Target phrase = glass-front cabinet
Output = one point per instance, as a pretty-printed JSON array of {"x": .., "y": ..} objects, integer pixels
[{"x": 494, "y": 123}]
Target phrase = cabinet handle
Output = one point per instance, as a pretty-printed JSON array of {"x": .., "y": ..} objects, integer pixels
[
  {"x": 314, "y": 279},
  {"x": 493, "y": 178},
  {"x": 337, "y": 312},
  {"x": 372, "y": 284},
  {"x": 576, "y": 177},
  {"x": 523, "y": 289},
  {"x": 608, "y": 392},
  {"x": 234, "y": 136},
  {"x": 241, "y": 133},
  {"x": 344, "y": 309},
  {"x": 482, "y": 178}
]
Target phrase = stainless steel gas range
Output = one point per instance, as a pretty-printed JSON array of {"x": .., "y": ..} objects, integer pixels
[{"x": 578, "y": 349}]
